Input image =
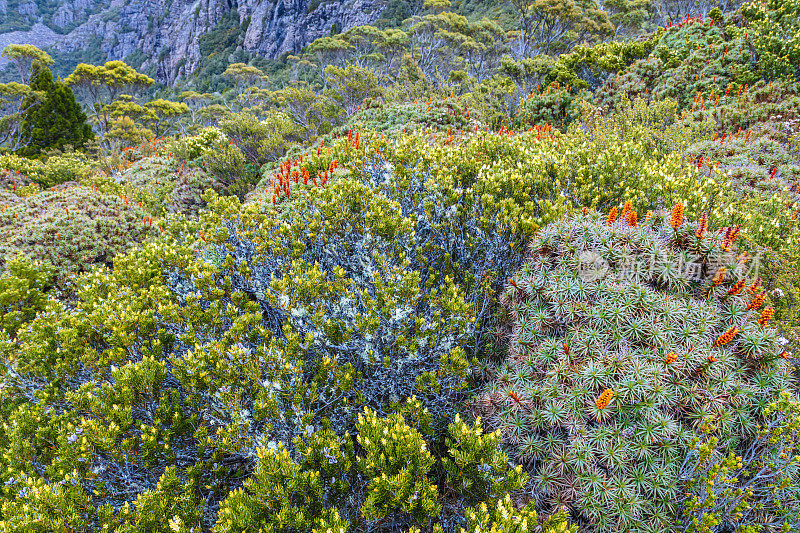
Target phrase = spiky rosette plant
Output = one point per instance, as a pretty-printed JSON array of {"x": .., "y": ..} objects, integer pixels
[
  {"x": 622, "y": 339},
  {"x": 71, "y": 228}
]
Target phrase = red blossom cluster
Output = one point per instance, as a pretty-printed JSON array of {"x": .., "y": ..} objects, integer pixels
[
  {"x": 688, "y": 20},
  {"x": 541, "y": 131},
  {"x": 292, "y": 171}
]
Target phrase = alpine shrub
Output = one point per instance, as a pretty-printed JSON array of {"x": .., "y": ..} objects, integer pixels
[
  {"x": 383, "y": 480},
  {"x": 625, "y": 335}
]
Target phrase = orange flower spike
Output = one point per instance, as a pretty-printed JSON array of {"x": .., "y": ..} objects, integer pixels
[
  {"x": 671, "y": 358},
  {"x": 513, "y": 396},
  {"x": 585, "y": 211},
  {"x": 784, "y": 354},
  {"x": 754, "y": 287},
  {"x": 719, "y": 277},
  {"x": 737, "y": 288},
  {"x": 726, "y": 337},
  {"x": 626, "y": 208},
  {"x": 632, "y": 219},
  {"x": 702, "y": 226},
  {"x": 612, "y": 216},
  {"x": 604, "y": 399},
  {"x": 712, "y": 359},
  {"x": 766, "y": 316},
  {"x": 758, "y": 301},
  {"x": 676, "y": 220},
  {"x": 565, "y": 348}
]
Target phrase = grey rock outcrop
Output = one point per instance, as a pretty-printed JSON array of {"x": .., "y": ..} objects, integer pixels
[{"x": 167, "y": 32}]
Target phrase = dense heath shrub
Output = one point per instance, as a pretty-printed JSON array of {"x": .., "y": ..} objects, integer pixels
[
  {"x": 22, "y": 293},
  {"x": 384, "y": 479},
  {"x": 71, "y": 228},
  {"x": 395, "y": 119},
  {"x": 238, "y": 330},
  {"x": 617, "y": 356},
  {"x": 163, "y": 184},
  {"x": 53, "y": 171},
  {"x": 747, "y": 491}
]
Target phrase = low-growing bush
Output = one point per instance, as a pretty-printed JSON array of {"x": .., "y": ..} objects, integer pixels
[
  {"x": 626, "y": 333},
  {"x": 23, "y": 285},
  {"x": 53, "y": 171},
  {"x": 382, "y": 480},
  {"x": 755, "y": 489},
  {"x": 71, "y": 228}
]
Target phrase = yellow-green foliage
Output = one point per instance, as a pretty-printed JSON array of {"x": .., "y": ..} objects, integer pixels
[
  {"x": 330, "y": 485},
  {"x": 736, "y": 488},
  {"x": 502, "y": 517},
  {"x": 53, "y": 171},
  {"x": 22, "y": 293},
  {"x": 775, "y": 27}
]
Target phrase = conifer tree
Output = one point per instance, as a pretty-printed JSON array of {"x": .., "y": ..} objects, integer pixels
[{"x": 58, "y": 120}]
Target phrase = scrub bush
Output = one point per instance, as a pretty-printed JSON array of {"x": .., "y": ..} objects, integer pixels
[
  {"x": 626, "y": 334},
  {"x": 383, "y": 480},
  {"x": 22, "y": 293},
  {"x": 53, "y": 171},
  {"x": 71, "y": 228}
]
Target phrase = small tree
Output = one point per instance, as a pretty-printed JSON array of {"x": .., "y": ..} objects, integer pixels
[
  {"x": 330, "y": 50},
  {"x": 101, "y": 85},
  {"x": 548, "y": 26},
  {"x": 163, "y": 116},
  {"x": 57, "y": 120},
  {"x": 350, "y": 86},
  {"x": 246, "y": 79},
  {"x": 627, "y": 16},
  {"x": 195, "y": 101},
  {"x": 15, "y": 100},
  {"x": 305, "y": 108},
  {"x": 23, "y": 56}
]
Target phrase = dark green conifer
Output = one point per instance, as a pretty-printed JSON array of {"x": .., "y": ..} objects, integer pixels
[{"x": 58, "y": 120}]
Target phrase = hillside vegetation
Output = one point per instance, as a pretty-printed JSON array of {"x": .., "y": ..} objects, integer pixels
[{"x": 535, "y": 273}]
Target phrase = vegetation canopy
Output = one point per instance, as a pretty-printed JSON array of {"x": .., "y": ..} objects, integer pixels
[{"x": 468, "y": 267}]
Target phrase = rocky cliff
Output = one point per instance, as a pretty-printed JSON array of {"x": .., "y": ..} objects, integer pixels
[{"x": 165, "y": 34}]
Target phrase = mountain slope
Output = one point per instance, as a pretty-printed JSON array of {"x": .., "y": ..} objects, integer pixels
[{"x": 164, "y": 34}]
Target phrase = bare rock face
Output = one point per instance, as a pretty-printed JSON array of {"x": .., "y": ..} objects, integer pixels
[
  {"x": 288, "y": 25},
  {"x": 167, "y": 32}
]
